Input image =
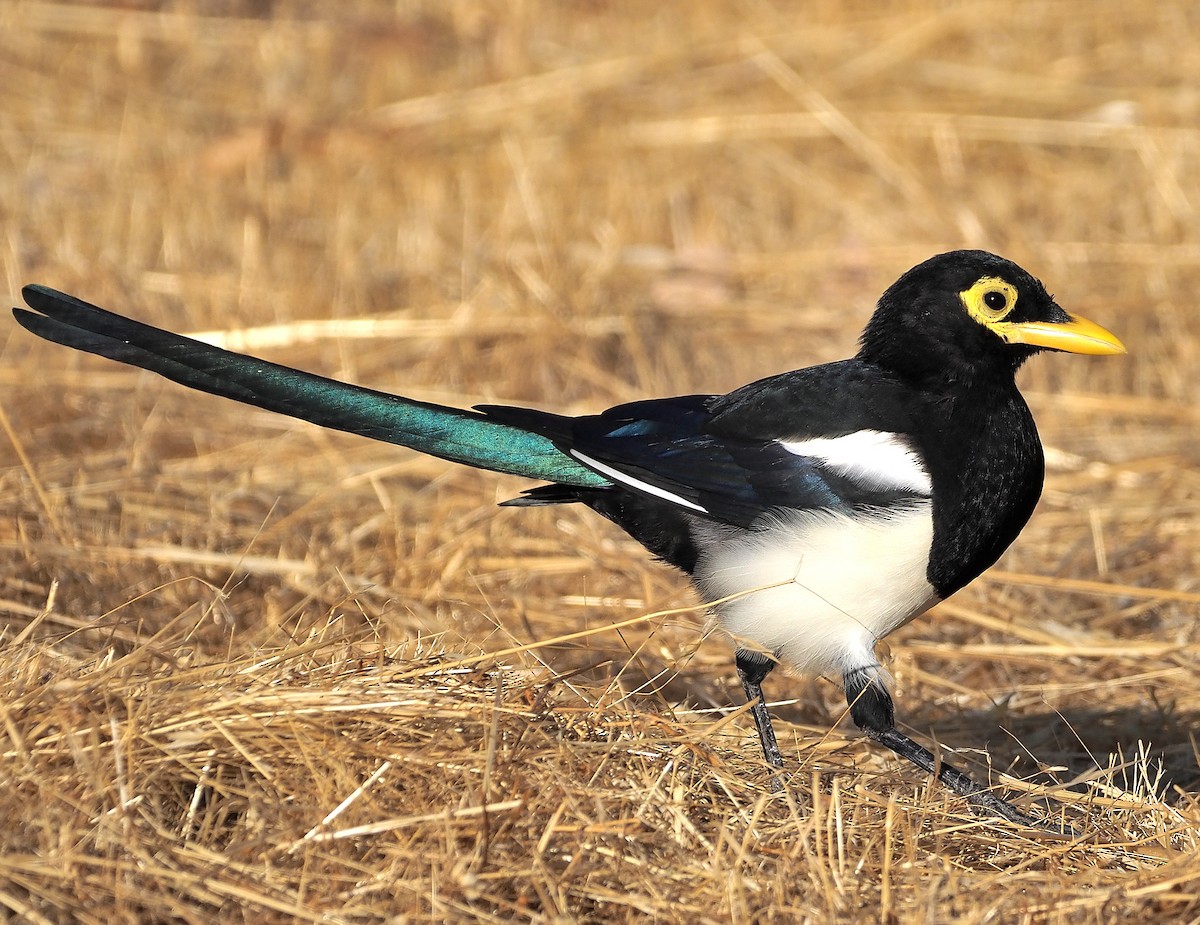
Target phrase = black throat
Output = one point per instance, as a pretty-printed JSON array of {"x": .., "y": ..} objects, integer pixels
[{"x": 985, "y": 459}]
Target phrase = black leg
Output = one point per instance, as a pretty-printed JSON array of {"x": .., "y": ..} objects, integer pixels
[
  {"x": 872, "y": 711},
  {"x": 752, "y": 668}
]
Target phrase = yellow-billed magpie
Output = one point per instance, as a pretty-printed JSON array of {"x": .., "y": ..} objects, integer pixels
[{"x": 816, "y": 510}]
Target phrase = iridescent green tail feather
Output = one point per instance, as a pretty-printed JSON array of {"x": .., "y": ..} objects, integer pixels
[{"x": 461, "y": 436}]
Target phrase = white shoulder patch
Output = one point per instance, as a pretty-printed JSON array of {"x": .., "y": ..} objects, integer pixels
[
  {"x": 625, "y": 479},
  {"x": 870, "y": 457}
]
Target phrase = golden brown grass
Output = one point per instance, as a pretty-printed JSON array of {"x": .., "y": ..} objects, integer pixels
[{"x": 256, "y": 671}]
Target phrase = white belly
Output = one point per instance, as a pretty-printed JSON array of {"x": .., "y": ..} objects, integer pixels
[{"x": 817, "y": 588}]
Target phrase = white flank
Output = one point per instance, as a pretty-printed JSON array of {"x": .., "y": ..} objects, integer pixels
[
  {"x": 870, "y": 457},
  {"x": 636, "y": 483},
  {"x": 819, "y": 589}
]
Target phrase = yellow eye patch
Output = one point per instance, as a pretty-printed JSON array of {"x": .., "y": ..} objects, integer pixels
[{"x": 991, "y": 299}]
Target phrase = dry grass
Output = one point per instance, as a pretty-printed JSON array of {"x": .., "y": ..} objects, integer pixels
[{"x": 256, "y": 671}]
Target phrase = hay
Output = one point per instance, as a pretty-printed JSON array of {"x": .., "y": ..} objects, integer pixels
[{"x": 252, "y": 669}]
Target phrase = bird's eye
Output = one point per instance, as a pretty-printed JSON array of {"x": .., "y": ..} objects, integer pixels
[{"x": 990, "y": 300}]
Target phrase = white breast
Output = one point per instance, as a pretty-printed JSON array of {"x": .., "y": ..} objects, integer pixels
[{"x": 819, "y": 589}]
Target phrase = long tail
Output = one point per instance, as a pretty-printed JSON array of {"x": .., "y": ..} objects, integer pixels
[{"x": 461, "y": 436}]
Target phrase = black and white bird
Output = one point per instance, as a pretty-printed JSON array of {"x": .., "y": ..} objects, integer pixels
[{"x": 816, "y": 510}]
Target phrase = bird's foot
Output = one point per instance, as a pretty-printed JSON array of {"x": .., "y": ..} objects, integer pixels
[{"x": 961, "y": 783}]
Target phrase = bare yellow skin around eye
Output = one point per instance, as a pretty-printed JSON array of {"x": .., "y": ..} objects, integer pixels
[{"x": 975, "y": 300}]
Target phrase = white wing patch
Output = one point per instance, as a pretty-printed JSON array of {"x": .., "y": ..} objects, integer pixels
[
  {"x": 872, "y": 458},
  {"x": 629, "y": 480}
]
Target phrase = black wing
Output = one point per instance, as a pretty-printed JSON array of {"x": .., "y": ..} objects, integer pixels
[{"x": 773, "y": 444}]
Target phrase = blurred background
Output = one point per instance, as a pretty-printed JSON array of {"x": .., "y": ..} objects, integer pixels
[{"x": 571, "y": 205}]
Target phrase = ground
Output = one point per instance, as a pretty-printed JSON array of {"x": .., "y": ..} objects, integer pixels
[{"x": 256, "y": 670}]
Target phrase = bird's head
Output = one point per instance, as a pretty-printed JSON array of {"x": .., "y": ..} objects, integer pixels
[{"x": 969, "y": 313}]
